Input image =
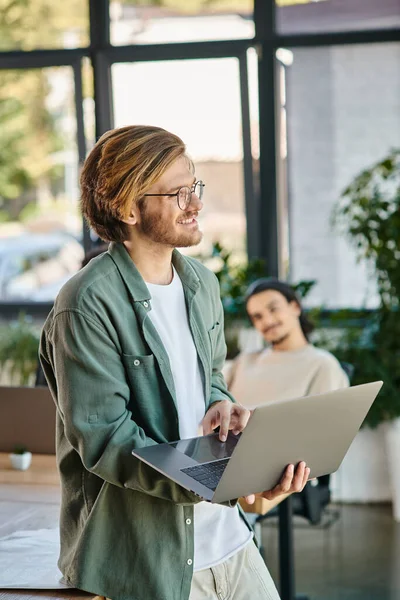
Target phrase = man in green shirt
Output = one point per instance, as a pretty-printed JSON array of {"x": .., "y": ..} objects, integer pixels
[{"x": 132, "y": 351}]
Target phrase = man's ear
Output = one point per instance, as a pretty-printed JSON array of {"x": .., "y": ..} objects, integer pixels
[
  {"x": 296, "y": 307},
  {"x": 133, "y": 217}
]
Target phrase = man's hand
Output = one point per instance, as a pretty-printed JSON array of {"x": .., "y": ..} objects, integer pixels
[
  {"x": 227, "y": 416},
  {"x": 292, "y": 481}
]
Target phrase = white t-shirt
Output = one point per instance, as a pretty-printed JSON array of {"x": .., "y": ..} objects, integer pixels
[{"x": 219, "y": 531}]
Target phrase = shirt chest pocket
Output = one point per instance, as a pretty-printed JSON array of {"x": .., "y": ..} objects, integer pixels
[
  {"x": 213, "y": 335},
  {"x": 144, "y": 382},
  {"x": 150, "y": 402},
  {"x": 139, "y": 366}
]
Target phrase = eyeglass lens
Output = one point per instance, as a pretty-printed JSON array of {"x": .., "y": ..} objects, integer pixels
[{"x": 185, "y": 194}]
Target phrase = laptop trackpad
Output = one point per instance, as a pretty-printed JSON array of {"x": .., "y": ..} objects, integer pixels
[{"x": 207, "y": 448}]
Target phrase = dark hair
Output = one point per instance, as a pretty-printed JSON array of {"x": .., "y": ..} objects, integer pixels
[{"x": 271, "y": 283}]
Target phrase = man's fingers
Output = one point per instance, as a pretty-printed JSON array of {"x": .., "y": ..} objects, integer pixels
[
  {"x": 307, "y": 471},
  {"x": 250, "y": 499},
  {"x": 225, "y": 421},
  {"x": 226, "y": 416},
  {"x": 211, "y": 421},
  {"x": 297, "y": 483},
  {"x": 293, "y": 480},
  {"x": 284, "y": 486},
  {"x": 242, "y": 417},
  {"x": 286, "y": 481},
  {"x": 207, "y": 423}
]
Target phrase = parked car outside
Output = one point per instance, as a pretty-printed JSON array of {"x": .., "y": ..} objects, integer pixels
[{"x": 34, "y": 267}]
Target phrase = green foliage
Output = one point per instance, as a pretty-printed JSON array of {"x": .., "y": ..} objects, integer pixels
[
  {"x": 351, "y": 336},
  {"x": 28, "y": 127},
  {"x": 234, "y": 278},
  {"x": 30, "y": 24},
  {"x": 369, "y": 214},
  {"x": 30, "y": 211},
  {"x": 29, "y": 131},
  {"x": 19, "y": 345},
  {"x": 13, "y": 178},
  {"x": 20, "y": 449}
]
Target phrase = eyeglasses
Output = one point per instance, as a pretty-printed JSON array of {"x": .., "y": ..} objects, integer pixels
[{"x": 184, "y": 194}]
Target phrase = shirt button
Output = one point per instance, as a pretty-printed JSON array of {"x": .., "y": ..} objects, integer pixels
[
  {"x": 136, "y": 362},
  {"x": 189, "y": 561},
  {"x": 188, "y": 521},
  {"x": 146, "y": 304}
]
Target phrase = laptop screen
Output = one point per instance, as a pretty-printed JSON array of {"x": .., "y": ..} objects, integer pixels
[{"x": 208, "y": 448}]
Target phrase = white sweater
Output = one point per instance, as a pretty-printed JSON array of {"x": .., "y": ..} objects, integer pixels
[{"x": 258, "y": 377}]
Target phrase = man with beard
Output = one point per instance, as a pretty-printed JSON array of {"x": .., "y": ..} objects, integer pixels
[
  {"x": 132, "y": 352},
  {"x": 290, "y": 366}
]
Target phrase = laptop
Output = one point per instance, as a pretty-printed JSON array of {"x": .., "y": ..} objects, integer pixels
[{"x": 317, "y": 429}]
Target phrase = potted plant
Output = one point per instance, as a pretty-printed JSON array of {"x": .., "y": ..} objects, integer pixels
[
  {"x": 20, "y": 458},
  {"x": 19, "y": 344},
  {"x": 368, "y": 212},
  {"x": 348, "y": 334}
]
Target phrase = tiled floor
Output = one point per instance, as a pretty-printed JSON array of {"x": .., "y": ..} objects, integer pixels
[{"x": 357, "y": 558}]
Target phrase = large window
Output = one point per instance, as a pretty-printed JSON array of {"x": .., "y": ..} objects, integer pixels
[
  {"x": 276, "y": 138},
  {"x": 343, "y": 107},
  {"x": 40, "y": 224},
  {"x": 166, "y": 21},
  {"x": 199, "y": 100}
]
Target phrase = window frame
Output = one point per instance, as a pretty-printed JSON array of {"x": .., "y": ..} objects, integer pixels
[{"x": 261, "y": 193}]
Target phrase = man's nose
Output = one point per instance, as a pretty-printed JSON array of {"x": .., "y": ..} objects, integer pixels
[
  {"x": 195, "y": 202},
  {"x": 267, "y": 321}
]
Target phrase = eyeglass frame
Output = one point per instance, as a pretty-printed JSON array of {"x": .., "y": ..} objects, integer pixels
[{"x": 192, "y": 191}]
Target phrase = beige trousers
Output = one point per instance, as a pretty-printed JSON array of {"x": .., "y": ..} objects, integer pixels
[{"x": 242, "y": 577}]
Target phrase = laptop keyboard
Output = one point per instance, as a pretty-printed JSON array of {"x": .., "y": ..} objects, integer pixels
[{"x": 208, "y": 474}]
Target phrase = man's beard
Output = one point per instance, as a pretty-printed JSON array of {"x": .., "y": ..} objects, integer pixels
[
  {"x": 280, "y": 340},
  {"x": 158, "y": 231}
]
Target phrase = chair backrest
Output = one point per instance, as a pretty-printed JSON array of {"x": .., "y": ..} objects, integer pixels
[{"x": 348, "y": 368}]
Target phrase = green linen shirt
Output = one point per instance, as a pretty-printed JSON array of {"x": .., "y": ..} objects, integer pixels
[{"x": 126, "y": 531}]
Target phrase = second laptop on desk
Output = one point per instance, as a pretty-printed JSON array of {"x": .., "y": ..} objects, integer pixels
[{"x": 316, "y": 429}]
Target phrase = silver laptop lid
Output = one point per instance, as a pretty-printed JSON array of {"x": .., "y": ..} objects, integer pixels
[{"x": 317, "y": 429}]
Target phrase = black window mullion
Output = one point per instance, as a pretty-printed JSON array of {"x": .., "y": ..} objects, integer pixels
[
  {"x": 341, "y": 38},
  {"x": 251, "y": 205},
  {"x": 80, "y": 128},
  {"x": 40, "y": 59},
  {"x": 267, "y": 221},
  {"x": 104, "y": 110},
  {"x": 81, "y": 141},
  {"x": 178, "y": 51},
  {"x": 99, "y": 15},
  {"x": 99, "y": 19}
]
